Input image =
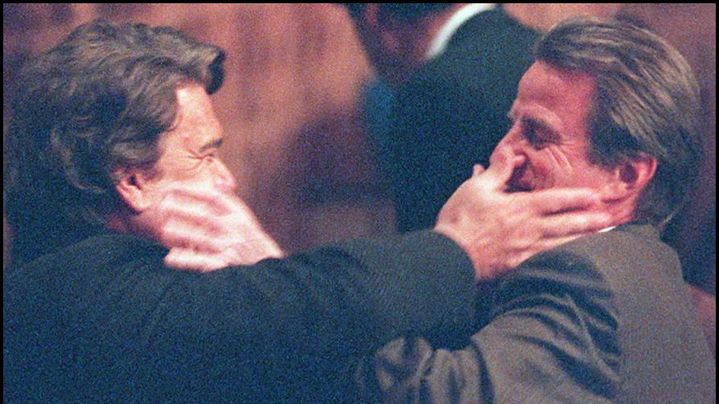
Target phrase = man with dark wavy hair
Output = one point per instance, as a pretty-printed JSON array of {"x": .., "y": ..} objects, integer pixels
[{"x": 112, "y": 150}]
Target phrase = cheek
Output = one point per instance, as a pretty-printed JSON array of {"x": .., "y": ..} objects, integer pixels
[
  {"x": 540, "y": 173},
  {"x": 158, "y": 190},
  {"x": 198, "y": 179},
  {"x": 556, "y": 167},
  {"x": 168, "y": 180},
  {"x": 593, "y": 177}
]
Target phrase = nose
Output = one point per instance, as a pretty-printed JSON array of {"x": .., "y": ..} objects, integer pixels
[
  {"x": 509, "y": 141},
  {"x": 224, "y": 180},
  {"x": 514, "y": 140}
]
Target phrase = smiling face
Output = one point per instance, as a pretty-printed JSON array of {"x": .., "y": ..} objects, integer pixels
[
  {"x": 550, "y": 130},
  {"x": 190, "y": 150},
  {"x": 189, "y": 160}
]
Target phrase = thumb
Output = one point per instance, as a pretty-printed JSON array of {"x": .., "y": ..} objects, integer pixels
[{"x": 477, "y": 170}]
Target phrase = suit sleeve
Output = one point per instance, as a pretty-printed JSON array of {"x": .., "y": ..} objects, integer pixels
[
  {"x": 126, "y": 326},
  {"x": 333, "y": 302},
  {"x": 551, "y": 337}
]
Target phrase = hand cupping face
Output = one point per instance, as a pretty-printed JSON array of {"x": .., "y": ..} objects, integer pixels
[
  {"x": 207, "y": 230},
  {"x": 499, "y": 229}
]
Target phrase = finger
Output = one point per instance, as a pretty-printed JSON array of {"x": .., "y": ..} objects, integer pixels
[
  {"x": 477, "y": 170},
  {"x": 191, "y": 260},
  {"x": 558, "y": 200},
  {"x": 251, "y": 251},
  {"x": 501, "y": 167},
  {"x": 177, "y": 234},
  {"x": 207, "y": 198},
  {"x": 234, "y": 204},
  {"x": 196, "y": 218},
  {"x": 261, "y": 248},
  {"x": 271, "y": 248}
]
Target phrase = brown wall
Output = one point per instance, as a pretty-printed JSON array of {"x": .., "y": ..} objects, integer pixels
[{"x": 289, "y": 103}]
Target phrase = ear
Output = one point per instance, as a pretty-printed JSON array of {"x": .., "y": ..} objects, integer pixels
[
  {"x": 133, "y": 188},
  {"x": 630, "y": 177}
]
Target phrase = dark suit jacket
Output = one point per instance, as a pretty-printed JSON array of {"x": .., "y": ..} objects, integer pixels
[
  {"x": 605, "y": 318},
  {"x": 102, "y": 320},
  {"x": 452, "y": 113}
]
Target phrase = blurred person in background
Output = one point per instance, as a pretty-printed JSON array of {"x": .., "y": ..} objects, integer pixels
[{"x": 447, "y": 73}]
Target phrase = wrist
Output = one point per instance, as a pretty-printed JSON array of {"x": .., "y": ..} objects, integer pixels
[{"x": 453, "y": 234}]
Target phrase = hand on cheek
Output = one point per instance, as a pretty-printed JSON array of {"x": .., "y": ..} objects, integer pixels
[{"x": 207, "y": 230}]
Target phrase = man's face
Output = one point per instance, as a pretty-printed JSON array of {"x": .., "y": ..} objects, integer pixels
[
  {"x": 189, "y": 152},
  {"x": 550, "y": 131}
]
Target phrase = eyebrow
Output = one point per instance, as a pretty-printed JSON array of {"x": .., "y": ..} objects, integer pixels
[
  {"x": 215, "y": 144},
  {"x": 539, "y": 124}
]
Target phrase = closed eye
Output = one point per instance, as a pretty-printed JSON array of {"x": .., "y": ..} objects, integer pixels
[
  {"x": 530, "y": 133},
  {"x": 538, "y": 134}
]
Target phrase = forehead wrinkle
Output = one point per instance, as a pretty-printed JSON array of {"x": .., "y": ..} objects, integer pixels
[
  {"x": 562, "y": 94},
  {"x": 538, "y": 115}
]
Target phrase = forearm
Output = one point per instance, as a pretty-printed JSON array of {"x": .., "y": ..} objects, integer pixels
[
  {"x": 344, "y": 300},
  {"x": 410, "y": 283}
]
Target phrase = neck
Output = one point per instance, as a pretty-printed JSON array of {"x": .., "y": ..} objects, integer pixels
[
  {"x": 125, "y": 221},
  {"x": 621, "y": 211},
  {"x": 117, "y": 223}
]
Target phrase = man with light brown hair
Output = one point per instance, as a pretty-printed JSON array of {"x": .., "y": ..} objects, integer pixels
[{"x": 607, "y": 317}]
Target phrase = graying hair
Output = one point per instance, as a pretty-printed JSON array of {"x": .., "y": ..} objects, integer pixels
[
  {"x": 646, "y": 102},
  {"x": 99, "y": 100}
]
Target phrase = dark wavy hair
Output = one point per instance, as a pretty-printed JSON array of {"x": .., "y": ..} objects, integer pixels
[
  {"x": 646, "y": 101},
  {"x": 99, "y": 100}
]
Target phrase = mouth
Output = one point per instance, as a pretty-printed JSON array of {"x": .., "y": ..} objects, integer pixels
[{"x": 516, "y": 184}]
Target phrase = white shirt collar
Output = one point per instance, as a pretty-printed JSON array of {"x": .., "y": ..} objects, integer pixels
[
  {"x": 440, "y": 41},
  {"x": 606, "y": 229}
]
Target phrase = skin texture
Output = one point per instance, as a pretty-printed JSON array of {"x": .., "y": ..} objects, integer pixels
[
  {"x": 161, "y": 203},
  {"x": 190, "y": 151},
  {"x": 549, "y": 128},
  {"x": 550, "y": 132}
]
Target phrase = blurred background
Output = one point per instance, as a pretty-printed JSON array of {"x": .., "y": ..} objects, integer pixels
[{"x": 294, "y": 136}]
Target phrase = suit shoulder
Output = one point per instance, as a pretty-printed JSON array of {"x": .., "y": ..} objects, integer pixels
[
  {"x": 105, "y": 249},
  {"x": 626, "y": 246},
  {"x": 616, "y": 262},
  {"x": 103, "y": 255}
]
